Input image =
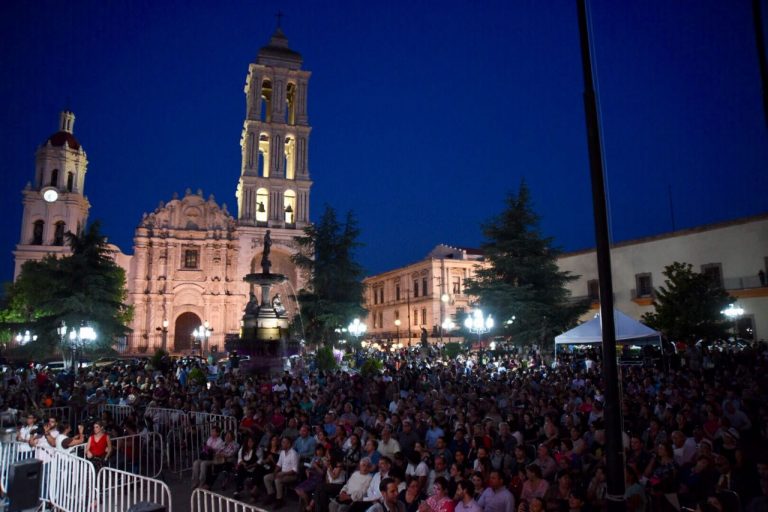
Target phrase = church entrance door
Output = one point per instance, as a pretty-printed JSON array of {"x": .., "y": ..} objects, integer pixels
[{"x": 183, "y": 341}]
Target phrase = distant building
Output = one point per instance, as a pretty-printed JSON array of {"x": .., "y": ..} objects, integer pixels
[
  {"x": 733, "y": 253},
  {"x": 420, "y": 296},
  {"x": 190, "y": 254}
]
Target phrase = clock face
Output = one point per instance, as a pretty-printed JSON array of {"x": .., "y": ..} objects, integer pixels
[{"x": 50, "y": 195}]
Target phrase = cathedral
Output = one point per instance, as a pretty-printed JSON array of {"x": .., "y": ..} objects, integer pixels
[{"x": 190, "y": 255}]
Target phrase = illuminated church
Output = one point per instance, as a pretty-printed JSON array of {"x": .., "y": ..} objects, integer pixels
[{"x": 190, "y": 254}]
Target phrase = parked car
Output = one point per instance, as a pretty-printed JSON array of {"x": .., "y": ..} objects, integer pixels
[
  {"x": 105, "y": 362},
  {"x": 55, "y": 366}
]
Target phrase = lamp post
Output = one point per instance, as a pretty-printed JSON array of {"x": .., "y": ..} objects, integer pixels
[
  {"x": 23, "y": 339},
  {"x": 475, "y": 323},
  {"x": 164, "y": 331},
  {"x": 357, "y": 328},
  {"x": 202, "y": 333},
  {"x": 397, "y": 324},
  {"x": 444, "y": 298},
  {"x": 734, "y": 312},
  {"x": 448, "y": 326},
  {"x": 78, "y": 338}
]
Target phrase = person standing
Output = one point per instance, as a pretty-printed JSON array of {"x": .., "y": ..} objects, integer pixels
[{"x": 465, "y": 501}]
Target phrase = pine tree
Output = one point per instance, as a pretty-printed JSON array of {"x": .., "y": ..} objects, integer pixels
[
  {"x": 523, "y": 287},
  {"x": 689, "y": 305},
  {"x": 334, "y": 296}
]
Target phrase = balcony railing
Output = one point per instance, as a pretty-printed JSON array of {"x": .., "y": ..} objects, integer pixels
[{"x": 742, "y": 283}]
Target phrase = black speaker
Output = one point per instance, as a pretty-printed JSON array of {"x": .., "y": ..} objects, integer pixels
[
  {"x": 146, "y": 506},
  {"x": 24, "y": 479}
]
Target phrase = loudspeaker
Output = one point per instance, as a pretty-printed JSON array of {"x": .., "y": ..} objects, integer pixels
[
  {"x": 24, "y": 479},
  {"x": 146, "y": 506}
]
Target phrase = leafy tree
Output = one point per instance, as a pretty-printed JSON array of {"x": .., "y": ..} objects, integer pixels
[
  {"x": 523, "y": 287},
  {"x": 84, "y": 287},
  {"x": 688, "y": 306},
  {"x": 334, "y": 294}
]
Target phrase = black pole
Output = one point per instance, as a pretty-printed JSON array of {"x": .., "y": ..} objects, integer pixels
[
  {"x": 762, "y": 60},
  {"x": 614, "y": 452}
]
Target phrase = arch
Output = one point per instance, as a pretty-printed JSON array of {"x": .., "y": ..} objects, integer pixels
[
  {"x": 266, "y": 101},
  {"x": 58, "y": 233},
  {"x": 70, "y": 181},
  {"x": 37, "y": 232},
  {"x": 289, "y": 207},
  {"x": 262, "y": 205},
  {"x": 185, "y": 324},
  {"x": 263, "y": 163},
  {"x": 54, "y": 178}
]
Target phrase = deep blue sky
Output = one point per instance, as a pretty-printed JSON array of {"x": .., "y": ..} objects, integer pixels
[{"x": 424, "y": 114}]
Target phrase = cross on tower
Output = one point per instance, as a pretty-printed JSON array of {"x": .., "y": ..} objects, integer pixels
[{"x": 279, "y": 17}]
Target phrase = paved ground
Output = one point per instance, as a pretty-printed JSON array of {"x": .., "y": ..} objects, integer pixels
[{"x": 181, "y": 492}]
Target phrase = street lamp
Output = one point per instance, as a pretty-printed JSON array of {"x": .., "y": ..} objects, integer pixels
[
  {"x": 397, "y": 324},
  {"x": 78, "y": 338},
  {"x": 448, "y": 326},
  {"x": 23, "y": 339},
  {"x": 202, "y": 333},
  {"x": 475, "y": 323},
  {"x": 164, "y": 331},
  {"x": 444, "y": 298},
  {"x": 734, "y": 312},
  {"x": 357, "y": 328}
]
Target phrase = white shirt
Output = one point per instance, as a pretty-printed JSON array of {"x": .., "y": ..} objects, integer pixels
[
  {"x": 357, "y": 485},
  {"x": 288, "y": 460}
]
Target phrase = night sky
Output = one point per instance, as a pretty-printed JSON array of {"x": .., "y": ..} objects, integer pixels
[{"x": 424, "y": 114}]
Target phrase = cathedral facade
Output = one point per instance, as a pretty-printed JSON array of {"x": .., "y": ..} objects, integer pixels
[{"x": 190, "y": 255}]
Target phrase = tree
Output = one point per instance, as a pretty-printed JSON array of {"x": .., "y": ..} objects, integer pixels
[
  {"x": 86, "y": 287},
  {"x": 522, "y": 287},
  {"x": 334, "y": 295},
  {"x": 689, "y": 305}
]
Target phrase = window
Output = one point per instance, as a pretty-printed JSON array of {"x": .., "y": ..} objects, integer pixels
[
  {"x": 58, "y": 235},
  {"x": 70, "y": 181},
  {"x": 415, "y": 317},
  {"x": 381, "y": 319},
  {"x": 262, "y": 205},
  {"x": 55, "y": 178},
  {"x": 424, "y": 286},
  {"x": 397, "y": 314},
  {"x": 397, "y": 291},
  {"x": 37, "y": 232},
  {"x": 456, "y": 286},
  {"x": 289, "y": 207},
  {"x": 714, "y": 271},
  {"x": 381, "y": 295},
  {"x": 423, "y": 316},
  {"x": 290, "y": 103},
  {"x": 593, "y": 290},
  {"x": 266, "y": 101},
  {"x": 415, "y": 288},
  {"x": 375, "y": 296},
  {"x": 643, "y": 285},
  {"x": 191, "y": 257}
]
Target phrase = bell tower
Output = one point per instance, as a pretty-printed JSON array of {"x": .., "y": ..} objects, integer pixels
[
  {"x": 273, "y": 190},
  {"x": 54, "y": 203}
]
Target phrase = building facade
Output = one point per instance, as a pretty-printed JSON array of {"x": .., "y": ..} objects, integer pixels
[
  {"x": 190, "y": 254},
  {"x": 422, "y": 295},
  {"x": 734, "y": 253}
]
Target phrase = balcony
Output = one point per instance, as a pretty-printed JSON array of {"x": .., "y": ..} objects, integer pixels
[
  {"x": 745, "y": 287},
  {"x": 642, "y": 297}
]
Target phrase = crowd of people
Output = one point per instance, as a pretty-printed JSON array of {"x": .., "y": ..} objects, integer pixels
[{"x": 493, "y": 432}]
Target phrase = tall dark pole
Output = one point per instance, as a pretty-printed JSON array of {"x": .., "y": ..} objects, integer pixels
[{"x": 614, "y": 452}]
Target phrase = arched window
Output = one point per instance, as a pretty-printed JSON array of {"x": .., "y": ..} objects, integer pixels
[
  {"x": 290, "y": 100},
  {"x": 289, "y": 207},
  {"x": 55, "y": 178},
  {"x": 266, "y": 101},
  {"x": 58, "y": 234},
  {"x": 70, "y": 181},
  {"x": 263, "y": 169},
  {"x": 37, "y": 232},
  {"x": 262, "y": 205}
]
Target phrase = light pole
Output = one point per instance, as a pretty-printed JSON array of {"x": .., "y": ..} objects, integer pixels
[
  {"x": 397, "y": 324},
  {"x": 448, "y": 326},
  {"x": 444, "y": 298},
  {"x": 201, "y": 334},
  {"x": 475, "y": 323},
  {"x": 77, "y": 340},
  {"x": 734, "y": 312},
  {"x": 23, "y": 339},
  {"x": 164, "y": 331},
  {"x": 357, "y": 329}
]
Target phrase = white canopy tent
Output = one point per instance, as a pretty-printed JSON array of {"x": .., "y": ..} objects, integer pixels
[{"x": 628, "y": 331}]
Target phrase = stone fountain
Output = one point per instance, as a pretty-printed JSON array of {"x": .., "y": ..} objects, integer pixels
[{"x": 265, "y": 327}]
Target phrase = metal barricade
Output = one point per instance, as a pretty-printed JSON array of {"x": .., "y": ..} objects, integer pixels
[
  {"x": 10, "y": 453},
  {"x": 140, "y": 454},
  {"x": 183, "y": 444},
  {"x": 207, "y": 501},
  {"x": 60, "y": 413},
  {"x": 164, "y": 420},
  {"x": 71, "y": 481},
  {"x": 117, "y": 491},
  {"x": 118, "y": 412}
]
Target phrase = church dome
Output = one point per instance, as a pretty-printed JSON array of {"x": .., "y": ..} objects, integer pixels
[
  {"x": 58, "y": 139},
  {"x": 278, "y": 49}
]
